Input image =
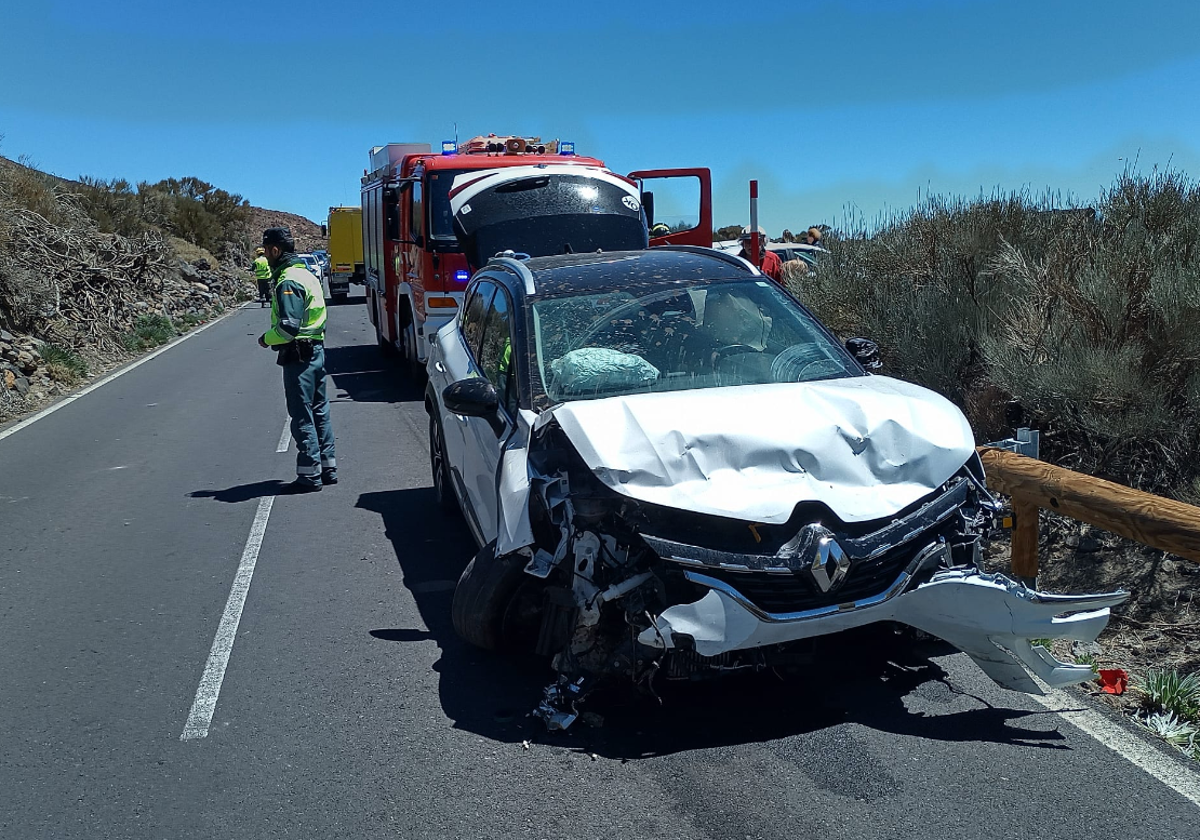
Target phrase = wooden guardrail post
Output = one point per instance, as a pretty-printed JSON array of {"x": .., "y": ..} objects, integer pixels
[
  {"x": 1165, "y": 524},
  {"x": 1025, "y": 541}
]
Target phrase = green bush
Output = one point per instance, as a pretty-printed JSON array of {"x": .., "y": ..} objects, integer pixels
[
  {"x": 1170, "y": 692},
  {"x": 117, "y": 206},
  {"x": 63, "y": 365},
  {"x": 1176, "y": 732},
  {"x": 188, "y": 320},
  {"x": 148, "y": 331},
  {"x": 188, "y": 208},
  {"x": 203, "y": 214}
]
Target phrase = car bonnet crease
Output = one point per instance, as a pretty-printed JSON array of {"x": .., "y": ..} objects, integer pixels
[{"x": 755, "y": 452}]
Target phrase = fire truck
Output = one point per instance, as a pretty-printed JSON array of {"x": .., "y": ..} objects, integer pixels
[{"x": 415, "y": 269}]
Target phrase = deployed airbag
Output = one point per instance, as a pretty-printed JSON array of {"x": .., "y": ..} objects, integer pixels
[{"x": 590, "y": 370}]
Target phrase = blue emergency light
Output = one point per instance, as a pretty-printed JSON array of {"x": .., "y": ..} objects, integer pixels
[
  {"x": 462, "y": 276},
  {"x": 566, "y": 148},
  {"x": 449, "y": 147}
]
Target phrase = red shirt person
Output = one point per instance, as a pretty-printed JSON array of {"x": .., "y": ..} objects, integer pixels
[{"x": 771, "y": 265}]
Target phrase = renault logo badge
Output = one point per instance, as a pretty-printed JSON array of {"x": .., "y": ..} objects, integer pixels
[{"x": 829, "y": 564}]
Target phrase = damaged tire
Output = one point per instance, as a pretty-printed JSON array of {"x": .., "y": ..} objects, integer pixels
[{"x": 483, "y": 595}]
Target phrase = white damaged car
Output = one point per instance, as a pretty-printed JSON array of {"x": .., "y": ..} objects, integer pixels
[{"x": 673, "y": 469}]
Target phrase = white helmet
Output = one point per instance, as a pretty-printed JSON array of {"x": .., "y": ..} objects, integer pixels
[{"x": 747, "y": 233}]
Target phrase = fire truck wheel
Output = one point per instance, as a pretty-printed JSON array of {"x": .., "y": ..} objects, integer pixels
[
  {"x": 416, "y": 368},
  {"x": 438, "y": 465},
  {"x": 483, "y": 595}
]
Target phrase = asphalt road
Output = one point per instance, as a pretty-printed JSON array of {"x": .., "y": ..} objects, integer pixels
[{"x": 349, "y": 708}]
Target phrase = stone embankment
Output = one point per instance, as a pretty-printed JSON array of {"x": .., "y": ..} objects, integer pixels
[
  {"x": 20, "y": 360},
  {"x": 200, "y": 289}
]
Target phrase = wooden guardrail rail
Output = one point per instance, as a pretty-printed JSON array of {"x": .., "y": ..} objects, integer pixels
[{"x": 1160, "y": 523}]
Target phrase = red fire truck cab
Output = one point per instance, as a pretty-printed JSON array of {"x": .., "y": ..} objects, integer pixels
[{"x": 416, "y": 272}]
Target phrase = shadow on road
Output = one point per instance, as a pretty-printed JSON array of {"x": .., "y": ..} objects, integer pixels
[
  {"x": 481, "y": 692},
  {"x": 243, "y": 492},
  {"x": 866, "y": 680},
  {"x": 350, "y": 300},
  {"x": 847, "y": 685},
  {"x": 361, "y": 373}
]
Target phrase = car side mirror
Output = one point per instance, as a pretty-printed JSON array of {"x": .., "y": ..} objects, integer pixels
[
  {"x": 475, "y": 397},
  {"x": 866, "y": 352}
]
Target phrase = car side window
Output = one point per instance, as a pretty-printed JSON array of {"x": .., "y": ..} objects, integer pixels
[
  {"x": 496, "y": 354},
  {"x": 472, "y": 322}
]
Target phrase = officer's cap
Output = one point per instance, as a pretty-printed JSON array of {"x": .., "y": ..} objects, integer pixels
[{"x": 280, "y": 236}]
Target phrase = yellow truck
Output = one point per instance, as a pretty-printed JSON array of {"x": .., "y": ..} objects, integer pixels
[{"x": 344, "y": 230}]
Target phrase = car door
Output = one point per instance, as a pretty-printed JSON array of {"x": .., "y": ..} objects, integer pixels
[
  {"x": 495, "y": 361},
  {"x": 681, "y": 199},
  {"x": 455, "y": 360}
]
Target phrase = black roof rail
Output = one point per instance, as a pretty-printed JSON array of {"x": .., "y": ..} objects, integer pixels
[
  {"x": 725, "y": 256},
  {"x": 518, "y": 268}
]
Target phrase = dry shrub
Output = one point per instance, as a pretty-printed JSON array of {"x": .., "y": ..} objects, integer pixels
[
  {"x": 188, "y": 252},
  {"x": 63, "y": 279},
  {"x": 21, "y": 185},
  {"x": 1031, "y": 309},
  {"x": 1103, "y": 345}
]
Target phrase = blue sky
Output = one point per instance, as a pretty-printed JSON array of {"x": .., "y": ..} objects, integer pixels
[{"x": 836, "y": 107}]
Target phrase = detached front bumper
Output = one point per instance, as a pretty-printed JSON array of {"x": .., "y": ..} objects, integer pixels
[{"x": 989, "y": 617}]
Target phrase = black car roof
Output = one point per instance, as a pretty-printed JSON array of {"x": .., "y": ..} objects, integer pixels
[{"x": 574, "y": 273}]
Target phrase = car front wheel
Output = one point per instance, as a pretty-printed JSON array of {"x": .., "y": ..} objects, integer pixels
[
  {"x": 439, "y": 466},
  {"x": 483, "y": 598}
]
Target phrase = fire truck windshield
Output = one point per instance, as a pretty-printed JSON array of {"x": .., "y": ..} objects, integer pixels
[
  {"x": 441, "y": 220},
  {"x": 548, "y": 214}
]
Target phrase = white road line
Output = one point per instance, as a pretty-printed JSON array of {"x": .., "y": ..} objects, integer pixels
[
  {"x": 1178, "y": 778},
  {"x": 285, "y": 439},
  {"x": 65, "y": 401},
  {"x": 218, "y": 658}
]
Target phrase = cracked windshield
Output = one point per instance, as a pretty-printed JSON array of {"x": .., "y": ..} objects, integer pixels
[{"x": 721, "y": 334}]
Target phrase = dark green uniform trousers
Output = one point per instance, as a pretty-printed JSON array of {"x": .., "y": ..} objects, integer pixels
[{"x": 304, "y": 387}]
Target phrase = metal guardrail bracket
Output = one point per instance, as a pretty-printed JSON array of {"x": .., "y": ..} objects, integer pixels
[{"x": 1027, "y": 442}]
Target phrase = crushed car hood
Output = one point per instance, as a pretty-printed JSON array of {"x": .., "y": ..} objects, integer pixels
[{"x": 865, "y": 446}]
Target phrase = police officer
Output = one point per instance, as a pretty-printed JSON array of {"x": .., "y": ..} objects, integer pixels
[
  {"x": 298, "y": 335},
  {"x": 262, "y": 273}
]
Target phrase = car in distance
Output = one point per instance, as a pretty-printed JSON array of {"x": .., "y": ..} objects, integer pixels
[
  {"x": 323, "y": 258},
  {"x": 672, "y": 468},
  {"x": 314, "y": 264},
  {"x": 810, "y": 255}
]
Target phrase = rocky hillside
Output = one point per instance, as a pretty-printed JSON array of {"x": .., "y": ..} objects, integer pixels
[
  {"x": 306, "y": 232},
  {"x": 89, "y": 279}
]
